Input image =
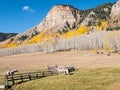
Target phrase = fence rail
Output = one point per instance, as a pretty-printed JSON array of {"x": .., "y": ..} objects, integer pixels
[{"x": 23, "y": 77}]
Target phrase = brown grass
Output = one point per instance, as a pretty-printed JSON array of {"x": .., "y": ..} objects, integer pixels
[
  {"x": 114, "y": 86},
  {"x": 39, "y": 61}
]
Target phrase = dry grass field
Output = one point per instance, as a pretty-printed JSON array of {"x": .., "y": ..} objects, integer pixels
[
  {"x": 95, "y": 72},
  {"x": 38, "y": 61}
]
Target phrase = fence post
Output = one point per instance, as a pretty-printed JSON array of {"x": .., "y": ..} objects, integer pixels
[
  {"x": 29, "y": 75},
  {"x": 6, "y": 81},
  {"x": 49, "y": 73},
  {"x": 43, "y": 74},
  {"x": 12, "y": 77},
  {"x": 52, "y": 73},
  {"x": 36, "y": 75},
  {"x": 21, "y": 77}
]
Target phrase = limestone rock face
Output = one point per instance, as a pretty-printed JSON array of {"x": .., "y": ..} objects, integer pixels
[
  {"x": 58, "y": 18},
  {"x": 88, "y": 19},
  {"x": 115, "y": 15},
  {"x": 60, "y": 15}
]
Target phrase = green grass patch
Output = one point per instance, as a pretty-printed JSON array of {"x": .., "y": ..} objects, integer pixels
[
  {"x": 1, "y": 79},
  {"x": 82, "y": 79}
]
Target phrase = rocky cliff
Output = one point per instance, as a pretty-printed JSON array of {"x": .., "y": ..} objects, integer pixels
[
  {"x": 90, "y": 18},
  {"x": 115, "y": 15},
  {"x": 64, "y": 18},
  {"x": 60, "y": 15},
  {"x": 61, "y": 18}
]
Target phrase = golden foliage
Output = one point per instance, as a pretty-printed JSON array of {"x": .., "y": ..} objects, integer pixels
[
  {"x": 73, "y": 33},
  {"x": 104, "y": 24},
  {"x": 69, "y": 34},
  {"x": 82, "y": 30},
  {"x": 42, "y": 37},
  {"x": 101, "y": 25},
  {"x": 11, "y": 44},
  {"x": 47, "y": 37}
]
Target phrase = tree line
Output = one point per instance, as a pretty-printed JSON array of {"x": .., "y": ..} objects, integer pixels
[{"x": 98, "y": 39}]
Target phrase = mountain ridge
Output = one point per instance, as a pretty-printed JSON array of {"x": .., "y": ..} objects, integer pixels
[
  {"x": 64, "y": 18},
  {"x": 4, "y": 36}
]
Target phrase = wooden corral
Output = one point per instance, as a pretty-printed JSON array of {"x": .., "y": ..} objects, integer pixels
[{"x": 13, "y": 79}]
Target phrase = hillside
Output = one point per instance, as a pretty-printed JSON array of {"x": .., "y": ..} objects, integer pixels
[
  {"x": 64, "y": 18},
  {"x": 107, "y": 41},
  {"x": 64, "y": 23},
  {"x": 4, "y": 36}
]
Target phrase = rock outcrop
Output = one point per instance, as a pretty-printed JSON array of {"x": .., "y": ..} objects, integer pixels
[
  {"x": 115, "y": 15},
  {"x": 59, "y": 17},
  {"x": 89, "y": 19}
]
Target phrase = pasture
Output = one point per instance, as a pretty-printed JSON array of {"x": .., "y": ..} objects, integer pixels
[
  {"x": 82, "y": 79},
  {"x": 94, "y": 72},
  {"x": 78, "y": 59}
]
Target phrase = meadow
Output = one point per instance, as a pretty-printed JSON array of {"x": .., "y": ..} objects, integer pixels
[
  {"x": 93, "y": 72},
  {"x": 81, "y": 79}
]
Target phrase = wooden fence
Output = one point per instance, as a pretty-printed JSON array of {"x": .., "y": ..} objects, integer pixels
[{"x": 24, "y": 77}]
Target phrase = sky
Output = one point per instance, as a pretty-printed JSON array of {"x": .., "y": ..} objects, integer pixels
[{"x": 17, "y": 16}]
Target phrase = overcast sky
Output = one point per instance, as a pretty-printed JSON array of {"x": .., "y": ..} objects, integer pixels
[{"x": 18, "y": 16}]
